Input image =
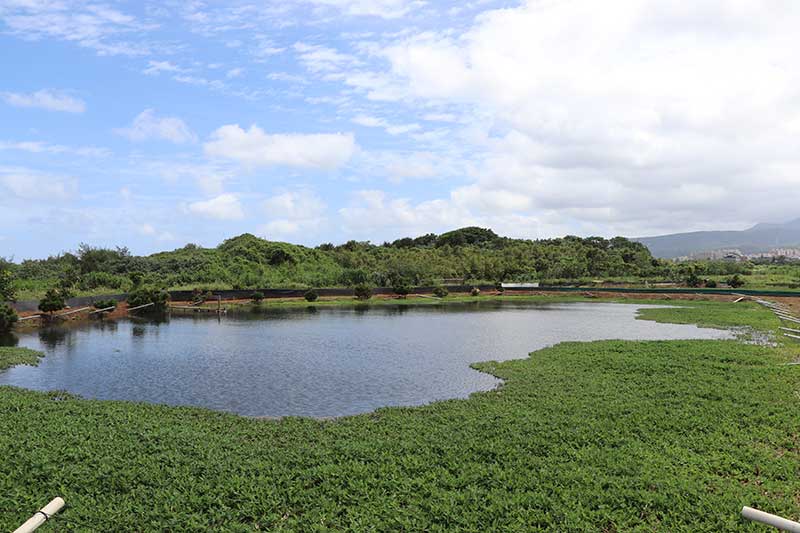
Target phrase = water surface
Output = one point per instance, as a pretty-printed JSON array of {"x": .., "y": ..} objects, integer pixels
[{"x": 325, "y": 362}]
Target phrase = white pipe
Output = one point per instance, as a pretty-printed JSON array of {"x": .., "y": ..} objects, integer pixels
[
  {"x": 755, "y": 515},
  {"x": 41, "y": 516},
  {"x": 106, "y": 309},
  {"x": 73, "y": 312},
  {"x": 790, "y": 319},
  {"x": 792, "y": 336},
  {"x": 790, "y": 329},
  {"x": 29, "y": 317},
  {"x": 141, "y": 306}
]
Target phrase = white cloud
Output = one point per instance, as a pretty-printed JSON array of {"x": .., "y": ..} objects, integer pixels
[
  {"x": 148, "y": 126},
  {"x": 31, "y": 185},
  {"x": 376, "y": 122},
  {"x": 293, "y": 212},
  {"x": 222, "y": 207},
  {"x": 39, "y": 147},
  {"x": 324, "y": 60},
  {"x": 90, "y": 25},
  {"x": 253, "y": 147},
  {"x": 381, "y": 8},
  {"x": 234, "y": 73},
  {"x": 635, "y": 116},
  {"x": 48, "y": 99},
  {"x": 156, "y": 67}
]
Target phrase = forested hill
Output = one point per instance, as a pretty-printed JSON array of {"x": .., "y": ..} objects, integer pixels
[{"x": 246, "y": 261}]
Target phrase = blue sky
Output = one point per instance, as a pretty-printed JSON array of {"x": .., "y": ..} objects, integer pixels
[{"x": 154, "y": 124}]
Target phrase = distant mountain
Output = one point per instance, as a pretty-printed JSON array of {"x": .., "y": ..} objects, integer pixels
[{"x": 759, "y": 238}]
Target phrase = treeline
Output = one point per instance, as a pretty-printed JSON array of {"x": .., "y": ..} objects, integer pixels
[{"x": 247, "y": 262}]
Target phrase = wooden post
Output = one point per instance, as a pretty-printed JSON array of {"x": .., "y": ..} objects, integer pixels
[{"x": 41, "y": 516}]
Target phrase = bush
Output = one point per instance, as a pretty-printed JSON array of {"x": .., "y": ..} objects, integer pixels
[
  {"x": 105, "y": 304},
  {"x": 146, "y": 295},
  {"x": 736, "y": 282},
  {"x": 7, "y": 292},
  {"x": 440, "y": 292},
  {"x": 311, "y": 295},
  {"x": 8, "y": 317},
  {"x": 362, "y": 292},
  {"x": 402, "y": 289},
  {"x": 499, "y": 287},
  {"x": 257, "y": 297},
  {"x": 475, "y": 291},
  {"x": 693, "y": 280},
  {"x": 711, "y": 284},
  {"x": 53, "y": 301}
]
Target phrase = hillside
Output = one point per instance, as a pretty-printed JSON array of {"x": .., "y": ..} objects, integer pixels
[
  {"x": 249, "y": 262},
  {"x": 759, "y": 238}
]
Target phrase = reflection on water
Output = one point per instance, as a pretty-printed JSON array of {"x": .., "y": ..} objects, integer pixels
[{"x": 315, "y": 362}]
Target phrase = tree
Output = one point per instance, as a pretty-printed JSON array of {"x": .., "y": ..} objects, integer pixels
[
  {"x": 735, "y": 282},
  {"x": 440, "y": 292},
  {"x": 53, "y": 301},
  {"x": 401, "y": 288},
  {"x": 257, "y": 297},
  {"x": 693, "y": 280},
  {"x": 362, "y": 292},
  {"x": 149, "y": 295},
  {"x": 7, "y": 292},
  {"x": 8, "y": 317},
  {"x": 311, "y": 295}
]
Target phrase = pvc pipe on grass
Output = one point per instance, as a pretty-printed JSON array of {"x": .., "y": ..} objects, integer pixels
[
  {"x": 41, "y": 516},
  {"x": 783, "y": 524}
]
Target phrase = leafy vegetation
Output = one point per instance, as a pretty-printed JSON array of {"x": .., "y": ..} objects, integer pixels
[
  {"x": 247, "y": 262},
  {"x": 311, "y": 295},
  {"x": 12, "y": 356},
  {"x": 440, "y": 292},
  {"x": 362, "y": 292},
  {"x": 8, "y": 317},
  {"x": 257, "y": 297},
  {"x": 105, "y": 304},
  {"x": 52, "y": 301},
  {"x": 603, "y": 436},
  {"x": 149, "y": 295}
]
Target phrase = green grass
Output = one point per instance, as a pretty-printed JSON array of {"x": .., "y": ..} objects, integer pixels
[
  {"x": 601, "y": 436},
  {"x": 18, "y": 356}
]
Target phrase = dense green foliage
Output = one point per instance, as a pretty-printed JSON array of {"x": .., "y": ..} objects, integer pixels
[
  {"x": 52, "y": 301},
  {"x": 440, "y": 292},
  {"x": 362, "y": 291},
  {"x": 149, "y": 295},
  {"x": 248, "y": 262},
  {"x": 311, "y": 295},
  {"x": 105, "y": 304},
  {"x": 8, "y": 317},
  {"x": 603, "y": 436},
  {"x": 7, "y": 290},
  {"x": 257, "y": 297},
  {"x": 11, "y": 356}
]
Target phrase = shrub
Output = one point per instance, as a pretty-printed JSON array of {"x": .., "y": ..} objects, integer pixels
[
  {"x": 736, "y": 282},
  {"x": 136, "y": 278},
  {"x": 8, "y": 317},
  {"x": 693, "y": 280},
  {"x": 440, "y": 292},
  {"x": 7, "y": 292},
  {"x": 53, "y": 301},
  {"x": 362, "y": 292},
  {"x": 257, "y": 297},
  {"x": 499, "y": 287},
  {"x": 146, "y": 295},
  {"x": 711, "y": 284},
  {"x": 311, "y": 295},
  {"x": 105, "y": 304},
  {"x": 401, "y": 289},
  {"x": 475, "y": 291},
  {"x": 94, "y": 280}
]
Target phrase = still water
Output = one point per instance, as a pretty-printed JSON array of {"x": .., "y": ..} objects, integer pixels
[{"x": 326, "y": 362}]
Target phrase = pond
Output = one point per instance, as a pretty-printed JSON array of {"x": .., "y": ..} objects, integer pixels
[{"x": 317, "y": 362}]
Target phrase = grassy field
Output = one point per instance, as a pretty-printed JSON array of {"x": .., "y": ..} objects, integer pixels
[{"x": 602, "y": 436}]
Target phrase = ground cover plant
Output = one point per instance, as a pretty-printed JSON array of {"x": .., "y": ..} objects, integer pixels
[
  {"x": 12, "y": 356},
  {"x": 610, "y": 435}
]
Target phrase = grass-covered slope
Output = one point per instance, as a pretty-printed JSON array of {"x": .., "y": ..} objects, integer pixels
[{"x": 602, "y": 436}]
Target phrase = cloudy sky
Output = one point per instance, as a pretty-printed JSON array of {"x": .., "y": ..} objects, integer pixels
[{"x": 154, "y": 124}]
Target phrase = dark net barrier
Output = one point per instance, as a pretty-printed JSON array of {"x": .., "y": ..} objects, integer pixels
[{"x": 185, "y": 296}]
